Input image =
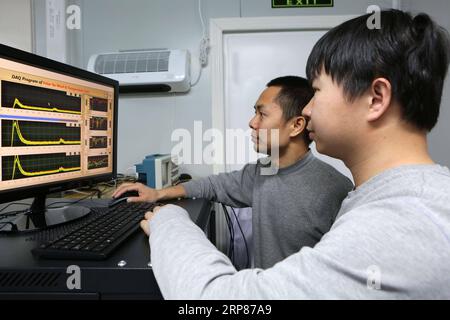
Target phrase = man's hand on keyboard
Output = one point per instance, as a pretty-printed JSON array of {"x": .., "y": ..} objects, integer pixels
[
  {"x": 148, "y": 216},
  {"x": 146, "y": 194}
]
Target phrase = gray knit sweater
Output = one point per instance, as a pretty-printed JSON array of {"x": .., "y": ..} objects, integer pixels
[{"x": 291, "y": 209}]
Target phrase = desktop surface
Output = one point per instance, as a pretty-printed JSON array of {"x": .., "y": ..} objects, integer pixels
[{"x": 127, "y": 273}]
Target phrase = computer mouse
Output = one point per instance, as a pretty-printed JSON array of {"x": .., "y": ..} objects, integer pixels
[{"x": 123, "y": 198}]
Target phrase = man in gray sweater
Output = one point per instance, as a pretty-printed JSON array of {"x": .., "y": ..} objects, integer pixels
[
  {"x": 295, "y": 205},
  {"x": 378, "y": 94}
]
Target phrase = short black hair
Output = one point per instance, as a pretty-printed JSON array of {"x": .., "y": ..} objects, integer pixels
[
  {"x": 294, "y": 96},
  {"x": 412, "y": 53}
]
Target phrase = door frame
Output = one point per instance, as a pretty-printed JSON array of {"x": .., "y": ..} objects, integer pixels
[{"x": 221, "y": 26}]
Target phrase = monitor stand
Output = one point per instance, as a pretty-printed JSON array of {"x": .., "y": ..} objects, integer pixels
[{"x": 39, "y": 217}]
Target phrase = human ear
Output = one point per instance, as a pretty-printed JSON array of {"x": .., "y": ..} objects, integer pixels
[
  {"x": 298, "y": 126},
  {"x": 380, "y": 96}
]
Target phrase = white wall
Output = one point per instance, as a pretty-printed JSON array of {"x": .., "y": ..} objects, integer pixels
[{"x": 15, "y": 24}]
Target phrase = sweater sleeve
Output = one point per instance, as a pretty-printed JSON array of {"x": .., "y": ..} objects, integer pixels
[
  {"x": 188, "y": 266},
  {"x": 234, "y": 189},
  {"x": 355, "y": 260}
]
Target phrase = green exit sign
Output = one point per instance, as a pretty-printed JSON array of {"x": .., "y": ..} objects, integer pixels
[{"x": 302, "y": 3}]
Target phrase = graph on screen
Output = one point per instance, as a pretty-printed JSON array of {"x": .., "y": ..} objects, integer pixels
[
  {"x": 17, "y": 133},
  {"x": 19, "y": 167},
  {"x": 27, "y": 97},
  {"x": 52, "y": 127}
]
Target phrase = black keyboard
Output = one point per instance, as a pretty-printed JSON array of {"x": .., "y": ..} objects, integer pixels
[{"x": 97, "y": 236}]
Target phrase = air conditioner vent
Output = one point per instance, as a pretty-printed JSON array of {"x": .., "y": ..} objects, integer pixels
[
  {"x": 132, "y": 62},
  {"x": 147, "y": 70}
]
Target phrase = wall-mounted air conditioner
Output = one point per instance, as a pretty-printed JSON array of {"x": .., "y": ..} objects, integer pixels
[{"x": 151, "y": 70}]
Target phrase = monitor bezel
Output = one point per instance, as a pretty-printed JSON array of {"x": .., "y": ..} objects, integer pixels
[{"x": 37, "y": 61}]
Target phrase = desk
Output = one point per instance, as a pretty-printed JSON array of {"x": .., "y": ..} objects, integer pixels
[{"x": 24, "y": 276}]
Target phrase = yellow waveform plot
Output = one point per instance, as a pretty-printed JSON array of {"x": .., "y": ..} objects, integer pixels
[
  {"x": 38, "y": 173},
  {"x": 23, "y": 106},
  {"x": 38, "y": 143}
]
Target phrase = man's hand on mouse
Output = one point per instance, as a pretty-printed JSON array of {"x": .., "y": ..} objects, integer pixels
[
  {"x": 148, "y": 216},
  {"x": 146, "y": 194}
]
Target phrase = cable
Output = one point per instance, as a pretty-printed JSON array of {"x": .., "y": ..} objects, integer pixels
[
  {"x": 200, "y": 13},
  {"x": 50, "y": 206},
  {"x": 6, "y": 215},
  {"x": 13, "y": 226},
  {"x": 86, "y": 191},
  {"x": 247, "y": 264},
  {"x": 15, "y": 203},
  {"x": 203, "y": 48},
  {"x": 76, "y": 191},
  {"x": 231, "y": 231},
  {"x": 193, "y": 84},
  {"x": 11, "y": 214},
  {"x": 113, "y": 182}
]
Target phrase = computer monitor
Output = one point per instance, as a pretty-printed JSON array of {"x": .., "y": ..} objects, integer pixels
[{"x": 57, "y": 132}]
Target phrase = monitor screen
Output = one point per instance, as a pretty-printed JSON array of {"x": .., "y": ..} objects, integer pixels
[{"x": 57, "y": 125}]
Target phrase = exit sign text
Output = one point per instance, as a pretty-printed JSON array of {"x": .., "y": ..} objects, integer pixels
[{"x": 302, "y": 3}]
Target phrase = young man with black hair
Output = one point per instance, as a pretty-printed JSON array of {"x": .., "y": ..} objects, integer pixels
[
  {"x": 292, "y": 208},
  {"x": 378, "y": 93}
]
